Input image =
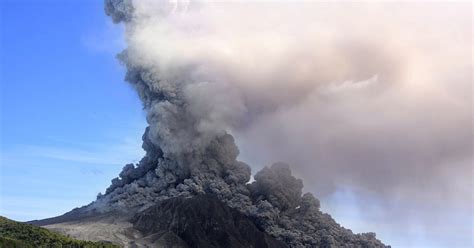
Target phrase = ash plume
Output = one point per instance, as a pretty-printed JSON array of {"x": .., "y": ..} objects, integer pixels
[
  {"x": 308, "y": 83},
  {"x": 190, "y": 152}
]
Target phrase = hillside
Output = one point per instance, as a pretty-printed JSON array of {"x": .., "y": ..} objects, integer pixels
[{"x": 16, "y": 234}]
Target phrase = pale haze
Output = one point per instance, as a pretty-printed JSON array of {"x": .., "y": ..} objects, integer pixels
[{"x": 370, "y": 103}]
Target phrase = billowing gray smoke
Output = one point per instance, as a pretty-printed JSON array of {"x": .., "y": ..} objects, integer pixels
[
  {"x": 374, "y": 98},
  {"x": 189, "y": 152}
]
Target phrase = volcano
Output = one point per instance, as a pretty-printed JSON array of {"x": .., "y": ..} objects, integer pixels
[{"x": 270, "y": 212}]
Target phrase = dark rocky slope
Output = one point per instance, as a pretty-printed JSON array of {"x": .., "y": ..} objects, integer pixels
[
  {"x": 201, "y": 221},
  {"x": 206, "y": 221}
]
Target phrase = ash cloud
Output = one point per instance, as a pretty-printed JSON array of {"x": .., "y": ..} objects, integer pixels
[{"x": 373, "y": 97}]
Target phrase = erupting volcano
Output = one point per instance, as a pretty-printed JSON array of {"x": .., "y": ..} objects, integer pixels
[{"x": 189, "y": 190}]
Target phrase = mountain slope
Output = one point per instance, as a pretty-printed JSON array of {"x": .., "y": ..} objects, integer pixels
[
  {"x": 203, "y": 221},
  {"x": 200, "y": 221},
  {"x": 16, "y": 234}
]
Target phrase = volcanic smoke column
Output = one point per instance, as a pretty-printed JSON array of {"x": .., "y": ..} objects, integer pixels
[
  {"x": 189, "y": 152},
  {"x": 180, "y": 145}
]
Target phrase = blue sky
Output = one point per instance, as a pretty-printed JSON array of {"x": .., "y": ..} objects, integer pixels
[{"x": 68, "y": 121}]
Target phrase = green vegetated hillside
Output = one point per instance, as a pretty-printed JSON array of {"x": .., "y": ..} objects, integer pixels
[{"x": 15, "y": 234}]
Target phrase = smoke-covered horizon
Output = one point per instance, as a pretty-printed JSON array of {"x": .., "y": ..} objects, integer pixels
[{"x": 371, "y": 99}]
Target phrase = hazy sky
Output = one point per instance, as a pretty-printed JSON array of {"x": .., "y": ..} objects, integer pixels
[
  {"x": 380, "y": 130},
  {"x": 371, "y": 103}
]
